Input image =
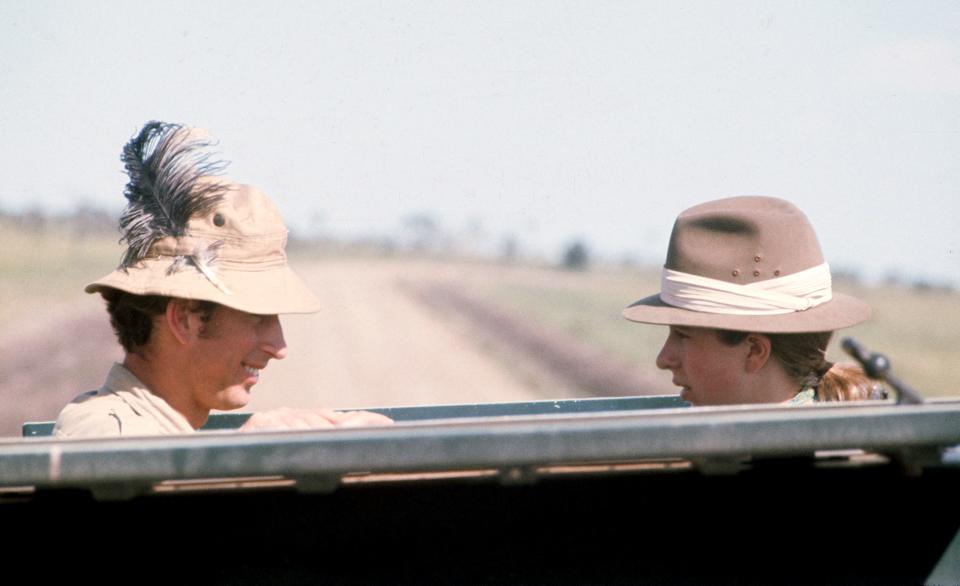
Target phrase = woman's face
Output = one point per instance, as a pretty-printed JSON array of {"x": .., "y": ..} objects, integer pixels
[{"x": 708, "y": 371}]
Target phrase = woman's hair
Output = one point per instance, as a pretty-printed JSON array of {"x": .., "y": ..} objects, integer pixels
[
  {"x": 132, "y": 315},
  {"x": 803, "y": 357}
]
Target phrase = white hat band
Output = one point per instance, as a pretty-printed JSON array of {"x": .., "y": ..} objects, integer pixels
[{"x": 796, "y": 292}]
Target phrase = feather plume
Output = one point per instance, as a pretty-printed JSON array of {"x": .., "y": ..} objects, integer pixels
[
  {"x": 204, "y": 258},
  {"x": 165, "y": 163}
]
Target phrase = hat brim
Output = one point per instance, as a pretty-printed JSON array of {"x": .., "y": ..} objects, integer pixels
[
  {"x": 269, "y": 291},
  {"x": 842, "y": 311}
]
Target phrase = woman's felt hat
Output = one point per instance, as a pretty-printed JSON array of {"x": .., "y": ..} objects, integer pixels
[{"x": 749, "y": 263}]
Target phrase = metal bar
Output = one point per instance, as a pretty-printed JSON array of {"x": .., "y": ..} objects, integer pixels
[
  {"x": 693, "y": 433},
  {"x": 591, "y": 405},
  {"x": 218, "y": 421}
]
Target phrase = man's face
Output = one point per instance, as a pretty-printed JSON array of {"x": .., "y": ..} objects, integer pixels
[
  {"x": 708, "y": 371},
  {"x": 227, "y": 358}
]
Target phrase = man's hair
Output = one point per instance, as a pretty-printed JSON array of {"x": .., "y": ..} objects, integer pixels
[{"x": 132, "y": 315}]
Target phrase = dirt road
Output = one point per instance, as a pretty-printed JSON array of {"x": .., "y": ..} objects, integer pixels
[
  {"x": 48, "y": 358},
  {"x": 374, "y": 344}
]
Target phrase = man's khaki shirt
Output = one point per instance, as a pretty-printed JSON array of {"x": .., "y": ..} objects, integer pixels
[{"x": 123, "y": 406}]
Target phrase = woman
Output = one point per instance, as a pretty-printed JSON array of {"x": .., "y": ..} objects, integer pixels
[{"x": 748, "y": 298}]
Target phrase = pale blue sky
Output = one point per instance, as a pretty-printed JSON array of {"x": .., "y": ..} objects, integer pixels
[{"x": 550, "y": 120}]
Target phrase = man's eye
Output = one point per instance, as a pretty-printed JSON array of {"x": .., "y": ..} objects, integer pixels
[{"x": 262, "y": 319}]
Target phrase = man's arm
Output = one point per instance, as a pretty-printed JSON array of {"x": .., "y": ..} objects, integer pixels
[{"x": 287, "y": 418}]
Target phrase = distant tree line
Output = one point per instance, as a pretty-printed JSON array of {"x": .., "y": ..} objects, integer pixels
[
  {"x": 83, "y": 221},
  {"x": 417, "y": 234}
]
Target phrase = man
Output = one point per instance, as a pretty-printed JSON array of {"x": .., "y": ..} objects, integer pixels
[{"x": 195, "y": 300}]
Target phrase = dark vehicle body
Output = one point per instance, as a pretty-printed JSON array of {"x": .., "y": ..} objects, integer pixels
[{"x": 599, "y": 491}]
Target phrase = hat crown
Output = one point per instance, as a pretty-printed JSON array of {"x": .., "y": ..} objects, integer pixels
[
  {"x": 245, "y": 227},
  {"x": 243, "y": 212},
  {"x": 743, "y": 240}
]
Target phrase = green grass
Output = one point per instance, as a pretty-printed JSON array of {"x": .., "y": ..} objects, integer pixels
[{"x": 919, "y": 331}]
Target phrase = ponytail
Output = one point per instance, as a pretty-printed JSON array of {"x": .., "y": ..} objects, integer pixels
[{"x": 846, "y": 381}]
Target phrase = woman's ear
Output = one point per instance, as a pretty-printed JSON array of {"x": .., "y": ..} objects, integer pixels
[
  {"x": 177, "y": 319},
  {"x": 758, "y": 351}
]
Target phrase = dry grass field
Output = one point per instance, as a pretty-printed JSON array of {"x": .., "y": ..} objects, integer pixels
[
  {"x": 917, "y": 329},
  {"x": 42, "y": 268},
  {"x": 401, "y": 331}
]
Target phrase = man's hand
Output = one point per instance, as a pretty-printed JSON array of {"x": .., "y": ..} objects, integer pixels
[{"x": 287, "y": 418}]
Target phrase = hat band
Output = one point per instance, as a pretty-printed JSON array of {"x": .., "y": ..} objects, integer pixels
[
  {"x": 253, "y": 254},
  {"x": 791, "y": 293}
]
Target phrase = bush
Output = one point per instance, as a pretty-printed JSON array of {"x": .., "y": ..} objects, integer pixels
[{"x": 576, "y": 257}]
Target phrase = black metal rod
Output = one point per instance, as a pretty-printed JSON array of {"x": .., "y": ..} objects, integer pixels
[{"x": 877, "y": 366}]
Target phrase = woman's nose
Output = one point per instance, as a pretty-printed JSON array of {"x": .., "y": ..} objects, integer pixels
[{"x": 667, "y": 358}]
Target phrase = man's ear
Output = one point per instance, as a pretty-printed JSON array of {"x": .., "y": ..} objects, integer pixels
[
  {"x": 758, "y": 351},
  {"x": 177, "y": 319}
]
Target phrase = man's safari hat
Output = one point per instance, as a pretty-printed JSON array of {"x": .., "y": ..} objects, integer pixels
[
  {"x": 748, "y": 263},
  {"x": 192, "y": 235}
]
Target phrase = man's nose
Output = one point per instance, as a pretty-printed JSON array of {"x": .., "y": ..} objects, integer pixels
[{"x": 273, "y": 342}]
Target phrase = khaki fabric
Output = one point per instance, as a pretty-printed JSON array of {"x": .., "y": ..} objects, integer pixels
[
  {"x": 245, "y": 239},
  {"x": 122, "y": 407}
]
